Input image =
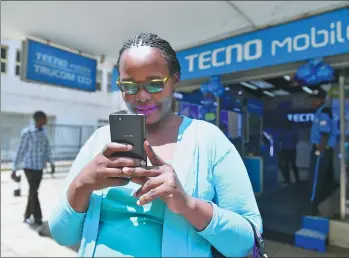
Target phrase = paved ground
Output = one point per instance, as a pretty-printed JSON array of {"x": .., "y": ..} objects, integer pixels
[{"x": 19, "y": 240}]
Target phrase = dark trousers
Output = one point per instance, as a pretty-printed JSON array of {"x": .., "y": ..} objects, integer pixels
[
  {"x": 289, "y": 160},
  {"x": 33, "y": 206},
  {"x": 321, "y": 177}
]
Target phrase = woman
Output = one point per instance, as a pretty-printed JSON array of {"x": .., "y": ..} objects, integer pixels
[{"x": 196, "y": 195}]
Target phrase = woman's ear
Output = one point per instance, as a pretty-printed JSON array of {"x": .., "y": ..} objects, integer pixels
[{"x": 175, "y": 78}]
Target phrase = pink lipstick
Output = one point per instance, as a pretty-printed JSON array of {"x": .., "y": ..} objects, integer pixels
[{"x": 147, "y": 109}]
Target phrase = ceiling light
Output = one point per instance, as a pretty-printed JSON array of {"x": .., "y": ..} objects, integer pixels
[
  {"x": 287, "y": 77},
  {"x": 262, "y": 84},
  {"x": 281, "y": 92},
  {"x": 248, "y": 85},
  {"x": 307, "y": 90},
  {"x": 270, "y": 94}
]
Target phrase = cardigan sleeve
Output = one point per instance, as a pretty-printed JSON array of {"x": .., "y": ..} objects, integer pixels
[
  {"x": 66, "y": 225},
  {"x": 229, "y": 231}
]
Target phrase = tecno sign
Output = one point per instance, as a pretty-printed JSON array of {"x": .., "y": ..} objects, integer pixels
[
  {"x": 326, "y": 34},
  {"x": 301, "y": 117},
  {"x": 236, "y": 53}
]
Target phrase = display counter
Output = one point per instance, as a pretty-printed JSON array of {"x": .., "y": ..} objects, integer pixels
[{"x": 263, "y": 173}]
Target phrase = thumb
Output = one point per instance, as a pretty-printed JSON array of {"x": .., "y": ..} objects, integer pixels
[{"x": 153, "y": 157}]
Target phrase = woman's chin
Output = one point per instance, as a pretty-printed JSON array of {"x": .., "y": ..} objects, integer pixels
[{"x": 152, "y": 119}]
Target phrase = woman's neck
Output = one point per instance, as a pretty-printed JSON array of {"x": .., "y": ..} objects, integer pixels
[
  {"x": 165, "y": 122},
  {"x": 167, "y": 128}
]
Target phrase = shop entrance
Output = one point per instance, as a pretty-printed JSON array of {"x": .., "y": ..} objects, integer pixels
[
  {"x": 260, "y": 89},
  {"x": 256, "y": 115}
]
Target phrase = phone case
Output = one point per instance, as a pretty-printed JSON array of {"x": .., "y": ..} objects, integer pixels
[{"x": 129, "y": 129}]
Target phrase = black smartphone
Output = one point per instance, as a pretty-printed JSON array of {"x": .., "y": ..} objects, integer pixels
[{"x": 129, "y": 129}]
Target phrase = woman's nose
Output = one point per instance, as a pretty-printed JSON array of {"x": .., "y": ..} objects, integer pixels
[{"x": 142, "y": 94}]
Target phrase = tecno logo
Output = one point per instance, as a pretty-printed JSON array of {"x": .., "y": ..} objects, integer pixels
[
  {"x": 251, "y": 50},
  {"x": 301, "y": 117},
  {"x": 315, "y": 38}
]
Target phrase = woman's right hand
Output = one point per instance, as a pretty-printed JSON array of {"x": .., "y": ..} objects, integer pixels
[{"x": 105, "y": 170}]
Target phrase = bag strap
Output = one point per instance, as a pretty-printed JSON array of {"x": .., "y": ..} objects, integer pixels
[{"x": 258, "y": 248}]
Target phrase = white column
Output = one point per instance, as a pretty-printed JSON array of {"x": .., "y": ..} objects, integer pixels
[
  {"x": 104, "y": 80},
  {"x": 11, "y": 57}
]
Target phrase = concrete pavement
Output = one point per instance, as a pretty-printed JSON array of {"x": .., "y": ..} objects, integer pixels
[{"x": 19, "y": 240}]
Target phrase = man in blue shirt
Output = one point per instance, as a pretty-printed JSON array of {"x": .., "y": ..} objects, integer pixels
[
  {"x": 289, "y": 140},
  {"x": 323, "y": 137},
  {"x": 34, "y": 149}
]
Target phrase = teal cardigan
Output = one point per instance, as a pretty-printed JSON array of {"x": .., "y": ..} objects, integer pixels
[{"x": 215, "y": 172}]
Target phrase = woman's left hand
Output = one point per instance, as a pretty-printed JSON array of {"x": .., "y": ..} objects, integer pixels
[{"x": 159, "y": 181}]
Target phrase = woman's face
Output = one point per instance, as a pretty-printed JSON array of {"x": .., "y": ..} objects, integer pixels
[{"x": 141, "y": 65}]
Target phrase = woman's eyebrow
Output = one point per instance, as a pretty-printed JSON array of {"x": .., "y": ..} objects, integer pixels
[{"x": 126, "y": 79}]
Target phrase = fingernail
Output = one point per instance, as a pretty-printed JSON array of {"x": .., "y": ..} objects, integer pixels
[
  {"x": 143, "y": 163},
  {"x": 138, "y": 203},
  {"x": 129, "y": 147},
  {"x": 147, "y": 143}
]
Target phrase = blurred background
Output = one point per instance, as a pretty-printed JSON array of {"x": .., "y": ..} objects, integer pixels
[{"x": 253, "y": 68}]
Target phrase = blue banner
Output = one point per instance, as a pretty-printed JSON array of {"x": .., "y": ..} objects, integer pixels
[
  {"x": 322, "y": 35},
  {"x": 114, "y": 78},
  {"x": 51, "y": 65}
]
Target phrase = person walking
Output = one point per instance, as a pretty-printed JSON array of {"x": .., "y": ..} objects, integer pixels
[
  {"x": 289, "y": 140},
  {"x": 34, "y": 149}
]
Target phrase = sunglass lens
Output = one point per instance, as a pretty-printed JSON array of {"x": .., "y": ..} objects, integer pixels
[
  {"x": 154, "y": 87},
  {"x": 129, "y": 88}
]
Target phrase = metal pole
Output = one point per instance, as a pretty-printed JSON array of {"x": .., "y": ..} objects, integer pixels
[
  {"x": 342, "y": 146},
  {"x": 218, "y": 112}
]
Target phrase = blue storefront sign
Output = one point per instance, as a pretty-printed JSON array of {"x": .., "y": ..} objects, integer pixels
[
  {"x": 322, "y": 35},
  {"x": 51, "y": 65}
]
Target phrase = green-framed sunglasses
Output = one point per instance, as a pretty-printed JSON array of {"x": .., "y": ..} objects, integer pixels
[{"x": 153, "y": 86}]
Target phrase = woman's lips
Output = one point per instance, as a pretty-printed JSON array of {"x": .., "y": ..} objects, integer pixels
[{"x": 146, "y": 110}]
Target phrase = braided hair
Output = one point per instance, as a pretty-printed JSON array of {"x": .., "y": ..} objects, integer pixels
[{"x": 154, "y": 41}]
